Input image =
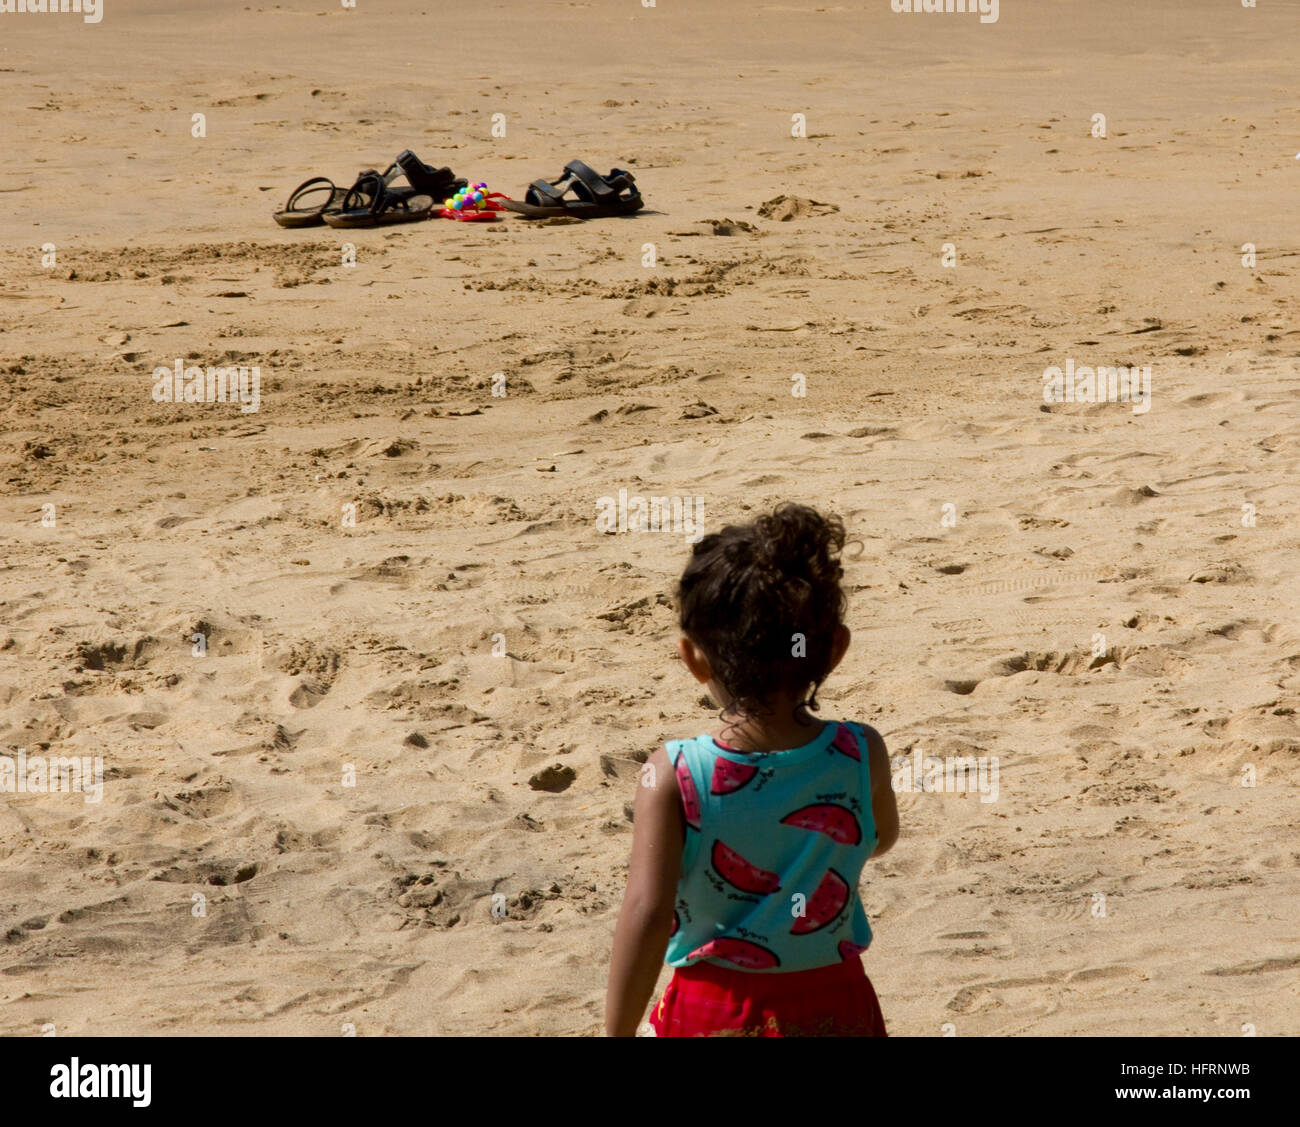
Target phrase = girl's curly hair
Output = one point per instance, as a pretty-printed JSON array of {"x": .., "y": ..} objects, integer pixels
[{"x": 750, "y": 589}]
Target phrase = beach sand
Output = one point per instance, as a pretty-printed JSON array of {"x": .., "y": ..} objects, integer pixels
[{"x": 1124, "y": 882}]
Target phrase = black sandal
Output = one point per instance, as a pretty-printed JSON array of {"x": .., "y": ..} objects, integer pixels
[
  {"x": 294, "y": 214},
  {"x": 370, "y": 202},
  {"x": 593, "y": 196},
  {"x": 436, "y": 182}
]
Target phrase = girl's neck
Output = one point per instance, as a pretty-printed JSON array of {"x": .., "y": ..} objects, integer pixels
[{"x": 781, "y": 730}]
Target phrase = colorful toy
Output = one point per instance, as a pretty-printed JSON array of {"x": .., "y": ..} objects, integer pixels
[{"x": 473, "y": 203}]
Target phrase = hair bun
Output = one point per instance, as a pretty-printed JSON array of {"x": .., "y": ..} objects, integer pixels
[{"x": 798, "y": 541}]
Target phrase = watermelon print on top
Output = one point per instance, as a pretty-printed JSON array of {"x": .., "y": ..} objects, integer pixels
[{"x": 775, "y": 845}]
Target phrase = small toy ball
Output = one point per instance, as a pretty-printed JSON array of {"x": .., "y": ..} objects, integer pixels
[
  {"x": 484, "y": 185},
  {"x": 448, "y": 202},
  {"x": 478, "y": 197}
]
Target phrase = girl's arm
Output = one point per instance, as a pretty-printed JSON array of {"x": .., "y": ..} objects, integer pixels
[
  {"x": 884, "y": 807},
  {"x": 646, "y": 917}
]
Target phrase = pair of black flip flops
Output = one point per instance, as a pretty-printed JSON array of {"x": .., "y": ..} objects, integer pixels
[
  {"x": 580, "y": 191},
  {"x": 373, "y": 200}
]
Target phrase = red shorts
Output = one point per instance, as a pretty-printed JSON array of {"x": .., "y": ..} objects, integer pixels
[{"x": 704, "y": 1000}]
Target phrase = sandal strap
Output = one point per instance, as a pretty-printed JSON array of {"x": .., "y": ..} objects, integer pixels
[
  {"x": 307, "y": 187},
  {"x": 621, "y": 179},
  {"x": 368, "y": 184},
  {"x": 544, "y": 194},
  {"x": 600, "y": 189}
]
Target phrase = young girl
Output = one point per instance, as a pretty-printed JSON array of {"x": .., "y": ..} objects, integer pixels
[{"x": 748, "y": 847}]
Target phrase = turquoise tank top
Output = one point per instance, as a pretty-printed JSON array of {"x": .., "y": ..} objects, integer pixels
[{"x": 775, "y": 846}]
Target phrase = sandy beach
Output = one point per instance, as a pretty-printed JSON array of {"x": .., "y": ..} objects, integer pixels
[{"x": 361, "y": 666}]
